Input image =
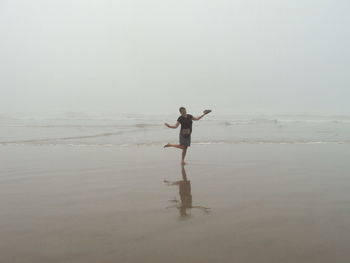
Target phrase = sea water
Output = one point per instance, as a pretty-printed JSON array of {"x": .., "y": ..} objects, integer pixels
[{"x": 125, "y": 130}]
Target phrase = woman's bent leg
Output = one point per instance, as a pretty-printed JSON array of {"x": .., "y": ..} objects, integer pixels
[{"x": 175, "y": 146}]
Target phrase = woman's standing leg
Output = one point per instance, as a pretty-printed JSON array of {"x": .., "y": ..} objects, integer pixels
[{"x": 184, "y": 151}]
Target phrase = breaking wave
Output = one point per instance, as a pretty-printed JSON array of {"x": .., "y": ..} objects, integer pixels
[
  {"x": 143, "y": 130},
  {"x": 51, "y": 142}
]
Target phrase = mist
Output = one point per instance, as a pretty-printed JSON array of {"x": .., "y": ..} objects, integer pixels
[{"x": 244, "y": 57}]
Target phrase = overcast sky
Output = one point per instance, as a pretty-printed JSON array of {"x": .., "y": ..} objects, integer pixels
[{"x": 152, "y": 56}]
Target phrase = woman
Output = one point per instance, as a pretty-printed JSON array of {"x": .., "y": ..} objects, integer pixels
[{"x": 185, "y": 132}]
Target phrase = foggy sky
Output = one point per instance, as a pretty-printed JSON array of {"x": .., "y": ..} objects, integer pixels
[{"x": 152, "y": 56}]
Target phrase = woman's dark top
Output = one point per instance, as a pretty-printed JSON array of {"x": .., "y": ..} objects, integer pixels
[{"x": 186, "y": 123}]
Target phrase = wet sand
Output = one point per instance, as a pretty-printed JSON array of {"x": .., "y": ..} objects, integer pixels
[{"x": 232, "y": 203}]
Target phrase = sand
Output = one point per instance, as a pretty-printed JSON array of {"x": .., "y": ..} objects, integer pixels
[{"x": 250, "y": 203}]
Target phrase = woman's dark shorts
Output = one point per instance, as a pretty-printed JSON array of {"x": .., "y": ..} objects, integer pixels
[{"x": 185, "y": 140}]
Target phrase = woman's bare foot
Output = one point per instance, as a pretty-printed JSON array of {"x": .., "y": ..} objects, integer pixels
[
  {"x": 167, "y": 145},
  {"x": 183, "y": 163}
]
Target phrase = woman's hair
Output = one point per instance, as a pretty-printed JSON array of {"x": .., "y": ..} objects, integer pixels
[{"x": 181, "y": 108}]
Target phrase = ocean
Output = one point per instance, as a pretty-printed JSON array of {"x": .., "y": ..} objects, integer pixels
[{"x": 123, "y": 130}]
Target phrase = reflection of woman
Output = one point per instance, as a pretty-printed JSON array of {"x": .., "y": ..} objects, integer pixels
[{"x": 185, "y": 195}]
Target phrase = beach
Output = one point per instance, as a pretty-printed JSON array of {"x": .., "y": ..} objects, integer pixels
[
  {"x": 103, "y": 102},
  {"x": 245, "y": 202}
]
